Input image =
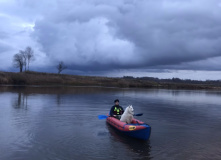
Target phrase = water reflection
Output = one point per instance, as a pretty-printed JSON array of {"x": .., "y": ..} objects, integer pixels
[
  {"x": 58, "y": 98},
  {"x": 185, "y": 123},
  {"x": 141, "y": 147},
  {"x": 21, "y": 101}
]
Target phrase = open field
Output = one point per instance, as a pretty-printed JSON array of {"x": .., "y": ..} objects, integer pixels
[{"x": 38, "y": 78}]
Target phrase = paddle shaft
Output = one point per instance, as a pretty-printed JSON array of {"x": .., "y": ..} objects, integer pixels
[{"x": 105, "y": 117}]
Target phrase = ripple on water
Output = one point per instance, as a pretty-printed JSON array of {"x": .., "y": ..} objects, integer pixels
[{"x": 63, "y": 124}]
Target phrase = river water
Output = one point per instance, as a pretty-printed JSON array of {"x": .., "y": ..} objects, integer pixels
[{"x": 60, "y": 123}]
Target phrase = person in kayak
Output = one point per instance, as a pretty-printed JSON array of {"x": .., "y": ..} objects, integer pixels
[{"x": 116, "y": 110}]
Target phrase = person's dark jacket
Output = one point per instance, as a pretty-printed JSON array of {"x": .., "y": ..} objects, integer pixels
[{"x": 112, "y": 110}]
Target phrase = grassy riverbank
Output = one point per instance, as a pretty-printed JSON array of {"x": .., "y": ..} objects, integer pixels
[{"x": 38, "y": 78}]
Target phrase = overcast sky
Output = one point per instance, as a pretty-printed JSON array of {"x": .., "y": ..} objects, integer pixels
[{"x": 159, "y": 38}]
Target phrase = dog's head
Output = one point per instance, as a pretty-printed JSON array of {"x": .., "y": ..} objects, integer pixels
[{"x": 130, "y": 109}]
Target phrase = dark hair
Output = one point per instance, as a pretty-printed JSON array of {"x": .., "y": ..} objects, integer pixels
[{"x": 116, "y": 100}]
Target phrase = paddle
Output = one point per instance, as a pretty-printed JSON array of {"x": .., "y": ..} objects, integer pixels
[
  {"x": 139, "y": 114},
  {"x": 105, "y": 117},
  {"x": 102, "y": 116}
]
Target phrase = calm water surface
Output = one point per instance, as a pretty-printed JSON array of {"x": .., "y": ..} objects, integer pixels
[{"x": 61, "y": 124}]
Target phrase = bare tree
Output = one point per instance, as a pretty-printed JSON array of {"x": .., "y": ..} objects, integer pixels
[
  {"x": 23, "y": 54},
  {"x": 61, "y": 67},
  {"x": 18, "y": 61},
  {"x": 23, "y": 58},
  {"x": 29, "y": 55}
]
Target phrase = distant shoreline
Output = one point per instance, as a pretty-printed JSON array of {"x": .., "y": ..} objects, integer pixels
[{"x": 56, "y": 80}]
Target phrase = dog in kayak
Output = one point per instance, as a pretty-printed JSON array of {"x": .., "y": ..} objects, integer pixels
[{"x": 127, "y": 116}]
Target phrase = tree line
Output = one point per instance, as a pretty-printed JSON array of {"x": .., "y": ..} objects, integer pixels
[
  {"x": 173, "y": 80},
  {"x": 23, "y": 59}
]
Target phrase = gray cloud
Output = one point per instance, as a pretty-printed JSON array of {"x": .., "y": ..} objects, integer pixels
[
  {"x": 97, "y": 35},
  {"x": 4, "y": 47},
  {"x": 135, "y": 34}
]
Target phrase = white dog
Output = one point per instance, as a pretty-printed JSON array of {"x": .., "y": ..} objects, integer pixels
[{"x": 127, "y": 116}]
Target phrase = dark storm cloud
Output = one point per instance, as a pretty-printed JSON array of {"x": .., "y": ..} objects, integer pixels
[
  {"x": 131, "y": 34},
  {"x": 100, "y": 35}
]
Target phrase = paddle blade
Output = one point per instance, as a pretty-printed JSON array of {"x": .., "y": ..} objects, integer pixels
[
  {"x": 139, "y": 114},
  {"x": 102, "y": 117}
]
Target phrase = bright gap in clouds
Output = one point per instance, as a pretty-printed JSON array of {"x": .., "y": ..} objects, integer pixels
[
  {"x": 184, "y": 74},
  {"x": 162, "y": 74}
]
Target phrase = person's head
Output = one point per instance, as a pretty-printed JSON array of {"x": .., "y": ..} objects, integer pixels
[{"x": 116, "y": 101}]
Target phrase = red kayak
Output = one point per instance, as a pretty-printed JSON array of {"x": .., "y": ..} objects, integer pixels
[{"x": 136, "y": 128}]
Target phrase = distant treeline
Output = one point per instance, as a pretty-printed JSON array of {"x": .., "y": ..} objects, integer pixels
[
  {"x": 48, "y": 79},
  {"x": 176, "y": 80}
]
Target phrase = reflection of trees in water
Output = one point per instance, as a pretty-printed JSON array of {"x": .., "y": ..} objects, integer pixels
[
  {"x": 58, "y": 99},
  {"x": 21, "y": 101},
  {"x": 141, "y": 147}
]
